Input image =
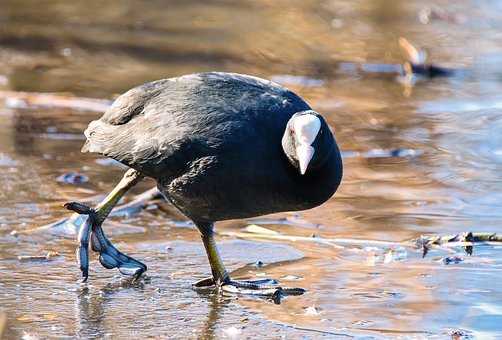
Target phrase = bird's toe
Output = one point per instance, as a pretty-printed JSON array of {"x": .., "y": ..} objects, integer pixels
[{"x": 267, "y": 288}]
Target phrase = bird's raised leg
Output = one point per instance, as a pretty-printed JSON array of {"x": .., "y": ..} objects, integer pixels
[
  {"x": 262, "y": 287},
  {"x": 109, "y": 257},
  {"x": 130, "y": 179}
]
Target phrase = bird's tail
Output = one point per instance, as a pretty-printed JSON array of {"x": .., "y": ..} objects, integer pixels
[{"x": 98, "y": 134}]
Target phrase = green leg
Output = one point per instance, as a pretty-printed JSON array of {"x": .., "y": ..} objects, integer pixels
[
  {"x": 130, "y": 179},
  {"x": 263, "y": 287},
  {"x": 220, "y": 275}
]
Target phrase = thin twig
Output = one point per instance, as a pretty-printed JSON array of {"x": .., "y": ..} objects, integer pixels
[
  {"x": 258, "y": 232},
  {"x": 320, "y": 331},
  {"x": 53, "y": 100},
  {"x": 75, "y": 221},
  {"x": 425, "y": 242}
]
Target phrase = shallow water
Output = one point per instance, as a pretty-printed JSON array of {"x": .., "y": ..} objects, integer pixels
[{"x": 448, "y": 180}]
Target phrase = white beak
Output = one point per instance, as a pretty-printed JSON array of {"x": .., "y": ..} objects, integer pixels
[
  {"x": 304, "y": 154},
  {"x": 306, "y": 128}
]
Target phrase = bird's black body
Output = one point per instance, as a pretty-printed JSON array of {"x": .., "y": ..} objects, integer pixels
[{"x": 213, "y": 143}]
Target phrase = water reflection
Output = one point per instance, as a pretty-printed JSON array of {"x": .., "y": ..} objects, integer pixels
[
  {"x": 215, "y": 309},
  {"x": 90, "y": 313}
]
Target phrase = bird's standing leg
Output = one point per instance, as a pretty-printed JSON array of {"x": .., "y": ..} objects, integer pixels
[
  {"x": 220, "y": 275},
  {"x": 221, "y": 278},
  {"x": 109, "y": 257}
]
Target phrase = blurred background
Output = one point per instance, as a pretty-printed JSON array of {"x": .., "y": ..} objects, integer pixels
[
  {"x": 421, "y": 157},
  {"x": 100, "y": 48}
]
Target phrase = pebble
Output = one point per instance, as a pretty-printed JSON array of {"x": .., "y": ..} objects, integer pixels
[
  {"x": 452, "y": 259},
  {"x": 72, "y": 178},
  {"x": 311, "y": 311},
  {"x": 258, "y": 264},
  {"x": 232, "y": 332}
]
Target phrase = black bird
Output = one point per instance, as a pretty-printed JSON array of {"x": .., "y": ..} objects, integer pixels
[{"x": 220, "y": 146}]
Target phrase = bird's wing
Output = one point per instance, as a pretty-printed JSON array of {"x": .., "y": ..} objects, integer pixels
[{"x": 126, "y": 133}]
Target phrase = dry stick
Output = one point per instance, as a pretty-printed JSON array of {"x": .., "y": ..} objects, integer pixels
[
  {"x": 3, "y": 323},
  {"x": 466, "y": 240},
  {"x": 138, "y": 203},
  {"x": 53, "y": 100},
  {"x": 466, "y": 237},
  {"x": 49, "y": 256},
  {"x": 425, "y": 242},
  {"x": 315, "y": 330}
]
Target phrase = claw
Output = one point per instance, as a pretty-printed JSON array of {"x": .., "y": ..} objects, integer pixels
[
  {"x": 83, "y": 262},
  {"x": 79, "y": 208},
  {"x": 268, "y": 288},
  {"x": 263, "y": 287},
  {"x": 83, "y": 242},
  {"x": 266, "y": 292},
  {"x": 204, "y": 283},
  {"x": 110, "y": 257},
  {"x": 96, "y": 244},
  {"x": 255, "y": 284},
  {"x": 108, "y": 261},
  {"x": 84, "y": 234}
]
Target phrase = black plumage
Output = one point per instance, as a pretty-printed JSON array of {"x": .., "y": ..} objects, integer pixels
[{"x": 214, "y": 143}]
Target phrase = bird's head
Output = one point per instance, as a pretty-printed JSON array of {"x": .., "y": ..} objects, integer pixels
[{"x": 307, "y": 141}]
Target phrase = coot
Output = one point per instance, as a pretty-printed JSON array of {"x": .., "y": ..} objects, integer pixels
[{"x": 220, "y": 146}]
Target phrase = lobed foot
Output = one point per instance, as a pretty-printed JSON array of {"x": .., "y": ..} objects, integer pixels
[
  {"x": 268, "y": 288},
  {"x": 109, "y": 256}
]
